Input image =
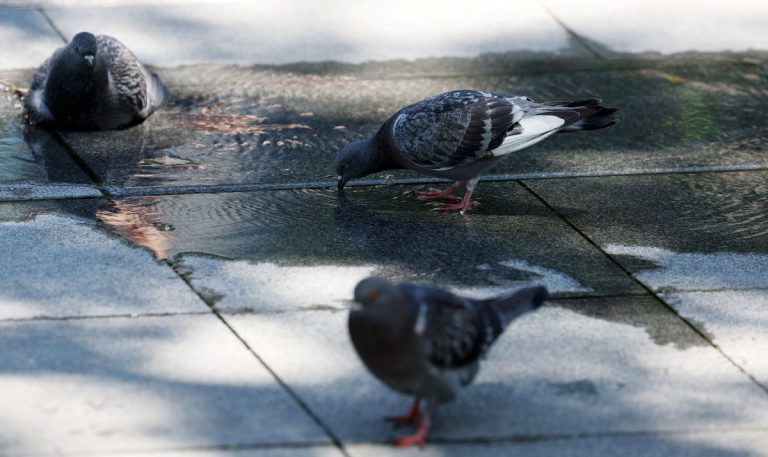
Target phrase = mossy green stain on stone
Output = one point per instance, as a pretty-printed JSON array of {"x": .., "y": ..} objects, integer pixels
[{"x": 698, "y": 117}]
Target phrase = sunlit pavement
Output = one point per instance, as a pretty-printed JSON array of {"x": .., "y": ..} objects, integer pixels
[{"x": 180, "y": 288}]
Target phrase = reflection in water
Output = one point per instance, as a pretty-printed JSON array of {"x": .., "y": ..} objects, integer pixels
[
  {"x": 140, "y": 224},
  {"x": 476, "y": 256},
  {"x": 310, "y": 227},
  {"x": 15, "y": 161},
  {"x": 212, "y": 119},
  {"x": 51, "y": 156}
]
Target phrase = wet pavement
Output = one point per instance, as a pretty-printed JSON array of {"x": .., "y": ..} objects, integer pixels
[
  {"x": 250, "y": 126},
  {"x": 182, "y": 286}
]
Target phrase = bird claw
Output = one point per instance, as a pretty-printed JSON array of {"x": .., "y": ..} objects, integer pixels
[
  {"x": 460, "y": 208},
  {"x": 410, "y": 440},
  {"x": 417, "y": 439}
]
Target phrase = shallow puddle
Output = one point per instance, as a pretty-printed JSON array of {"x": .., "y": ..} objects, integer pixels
[
  {"x": 255, "y": 125},
  {"x": 510, "y": 240}
]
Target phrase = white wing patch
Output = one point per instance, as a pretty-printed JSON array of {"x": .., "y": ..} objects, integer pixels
[
  {"x": 421, "y": 320},
  {"x": 41, "y": 111},
  {"x": 535, "y": 129}
]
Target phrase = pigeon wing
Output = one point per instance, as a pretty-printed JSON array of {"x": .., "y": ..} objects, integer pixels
[
  {"x": 133, "y": 83},
  {"x": 458, "y": 331},
  {"x": 454, "y": 128},
  {"x": 36, "y": 107}
]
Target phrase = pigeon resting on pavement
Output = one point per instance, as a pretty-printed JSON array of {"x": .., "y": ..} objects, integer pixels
[
  {"x": 93, "y": 83},
  {"x": 458, "y": 135},
  {"x": 427, "y": 342}
]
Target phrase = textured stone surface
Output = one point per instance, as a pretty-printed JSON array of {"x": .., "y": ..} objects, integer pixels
[
  {"x": 675, "y": 232},
  {"x": 735, "y": 320},
  {"x": 57, "y": 264},
  {"x": 33, "y": 164},
  {"x": 265, "y": 451},
  {"x": 510, "y": 240},
  {"x": 232, "y": 125},
  {"x": 557, "y": 372},
  {"x": 122, "y": 384},
  {"x": 27, "y": 38},
  {"x": 279, "y": 32},
  {"x": 225, "y": 197},
  {"x": 728, "y": 444},
  {"x": 659, "y": 26}
]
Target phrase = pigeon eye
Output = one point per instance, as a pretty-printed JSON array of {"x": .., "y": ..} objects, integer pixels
[
  {"x": 373, "y": 296},
  {"x": 77, "y": 48}
]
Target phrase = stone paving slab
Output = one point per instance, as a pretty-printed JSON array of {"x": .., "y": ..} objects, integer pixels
[
  {"x": 56, "y": 263},
  {"x": 698, "y": 239},
  {"x": 674, "y": 232},
  {"x": 297, "y": 451},
  {"x": 555, "y": 373},
  {"x": 283, "y": 32},
  {"x": 735, "y": 320},
  {"x": 233, "y": 125},
  {"x": 285, "y": 237},
  {"x": 148, "y": 383},
  {"x": 664, "y": 27},
  {"x": 33, "y": 163},
  {"x": 27, "y": 38},
  {"x": 719, "y": 444}
]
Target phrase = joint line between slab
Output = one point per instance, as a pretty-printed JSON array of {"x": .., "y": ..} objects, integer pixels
[
  {"x": 122, "y": 192},
  {"x": 524, "y": 439},
  {"x": 291, "y": 393},
  {"x": 52, "y": 25},
  {"x": 578, "y": 38},
  {"x": 103, "y": 316},
  {"x": 664, "y": 303}
]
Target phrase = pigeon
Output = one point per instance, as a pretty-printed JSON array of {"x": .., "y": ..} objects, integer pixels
[
  {"x": 93, "y": 83},
  {"x": 460, "y": 134},
  {"x": 427, "y": 342}
]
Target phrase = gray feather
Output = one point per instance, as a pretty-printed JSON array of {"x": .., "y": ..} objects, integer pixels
[
  {"x": 118, "y": 92},
  {"x": 426, "y": 341},
  {"x": 460, "y": 134}
]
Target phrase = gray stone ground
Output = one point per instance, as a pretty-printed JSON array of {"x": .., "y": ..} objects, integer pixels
[{"x": 180, "y": 288}]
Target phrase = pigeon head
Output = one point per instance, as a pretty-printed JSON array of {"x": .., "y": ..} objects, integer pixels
[
  {"x": 375, "y": 293},
  {"x": 84, "y": 47},
  {"x": 352, "y": 162}
]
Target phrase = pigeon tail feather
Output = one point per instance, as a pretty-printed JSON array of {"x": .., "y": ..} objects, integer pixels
[
  {"x": 514, "y": 305},
  {"x": 158, "y": 92},
  {"x": 591, "y": 114}
]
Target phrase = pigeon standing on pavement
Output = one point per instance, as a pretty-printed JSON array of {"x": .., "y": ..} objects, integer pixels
[
  {"x": 93, "y": 83},
  {"x": 427, "y": 342},
  {"x": 460, "y": 134}
]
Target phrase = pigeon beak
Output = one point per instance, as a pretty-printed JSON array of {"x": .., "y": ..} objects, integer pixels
[
  {"x": 356, "y": 307},
  {"x": 89, "y": 58},
  {"x": 340, "y": 183}
]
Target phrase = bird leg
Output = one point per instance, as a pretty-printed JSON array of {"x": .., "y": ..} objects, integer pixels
[
  {"x": 417, "y": 439},
  {"x": 411, "y": 417},
  {"x": 447, "y": 194},
  {"x": 465, "y": 202}
]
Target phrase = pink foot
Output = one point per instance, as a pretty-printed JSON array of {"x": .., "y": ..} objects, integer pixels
[
  {"x": 413, "y": 415},
  {"x": 456, "y": 207},
  {"x": 417, "y": 439},
  {"x": 460, "y": 207}
]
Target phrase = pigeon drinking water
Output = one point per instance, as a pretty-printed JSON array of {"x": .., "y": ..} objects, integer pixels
[
  {"x": 93, "y": 83},
  {"x": 427, "y": 342},
  {"x": 460, "y": 134}
]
